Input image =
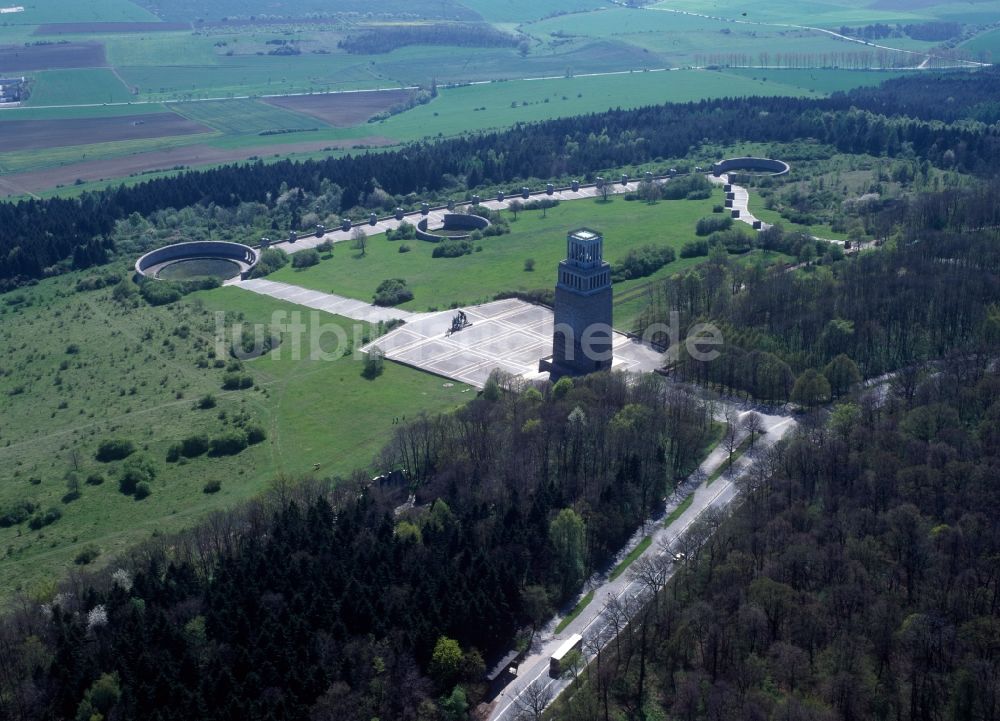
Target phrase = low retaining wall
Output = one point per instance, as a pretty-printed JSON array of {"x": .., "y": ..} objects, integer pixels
[
  {"x": 453, "y": 221},
  {"x": 760, "y": 165},
  {"x": 244, "y": 255}
]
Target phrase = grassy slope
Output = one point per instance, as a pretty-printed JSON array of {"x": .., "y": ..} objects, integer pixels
[
  {"x": 117, "y": 384},
  {"x": 439, "y": 282}
]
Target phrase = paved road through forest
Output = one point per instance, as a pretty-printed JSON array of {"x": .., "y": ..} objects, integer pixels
[{"x": 533, "y": 682}]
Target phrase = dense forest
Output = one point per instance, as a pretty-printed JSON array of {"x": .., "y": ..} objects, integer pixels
[
  {"x": 322, "y": 602},
  {"x": 44, "y": 236},
  {"x": 857, "y": 580},
  {"x": 931, "y": 293}
]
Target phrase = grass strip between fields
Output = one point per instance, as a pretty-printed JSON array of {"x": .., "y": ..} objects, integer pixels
[
  {"x": 577, "y": 610},
  {"x": 632, "y": 555}
]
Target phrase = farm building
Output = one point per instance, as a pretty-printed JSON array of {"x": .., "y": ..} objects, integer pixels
[{"x": 10, "y": 89}]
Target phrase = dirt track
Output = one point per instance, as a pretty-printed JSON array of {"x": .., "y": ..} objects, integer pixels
[
  {"x": 17, "y": 58},
  {"x": 192, "y": 155}
]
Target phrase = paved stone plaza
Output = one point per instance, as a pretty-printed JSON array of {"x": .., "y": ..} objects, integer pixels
[{"x": 509, "y": 334}]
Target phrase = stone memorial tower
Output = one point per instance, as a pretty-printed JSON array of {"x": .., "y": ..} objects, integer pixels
[{"x": 581, "y": 340}]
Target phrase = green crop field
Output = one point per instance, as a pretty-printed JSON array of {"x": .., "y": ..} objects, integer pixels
[
  {"x": 815, "y": 14},
  {"x": 818, "y": 81},
  {"x": 78, "y": 86},
  {"x": 82, "y": 367},
  {"x": 506, "y": 103},
  {"x": 26, "y": 112},
  {"x": 246, "y": 117},
  {"x": 988, "y": 43},
  {"x": 441, "y": 282},
  {"x": 516, "y": 11}
]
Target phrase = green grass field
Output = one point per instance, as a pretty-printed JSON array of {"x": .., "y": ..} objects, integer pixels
[
  {"x": 81, "y": 367},
  {"x": 441, "y": 282},
  {"x": 26, "y": 112},
  {"x": 807, "y": 12},
  {"x": 246, "y": 117},
  {"x": 510, "y": 102},
  {"x": 78, "y": 86}
]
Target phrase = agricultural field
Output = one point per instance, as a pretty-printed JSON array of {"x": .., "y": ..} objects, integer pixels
[
  {"x": 808, "y": 12},
  {"x": 500, "y": 265},
  {"x": 41, "y": 12},
  {"x": 246, "y": 117},
  {"x": 83, "y": 367},
  {"x": 591, "y": 54},
  {"x": 38, "y": 134},
  {"x": 342, "y": 110},
  {"x": 18, "y": 58},
  {"x": 104, "y": 28},
  {"x": 80, "y": 86}
]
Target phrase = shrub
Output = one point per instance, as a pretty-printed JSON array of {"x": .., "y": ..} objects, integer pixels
[
  {"x": 255, "y": 435},
  {"x": 212, "y": 487},
  {"x": 695, "y": 249},
  {"x": 236, "y": 381},
  {"x": 641, "y": 262},
  {"x": 305, "y": 258},
  {"x": 137, "y": 469},
  {"x": 114, "y": 449},
  {"x": 404, "y": 248},
  {"x": 709, "y": 225},
  {"x": 206, "y": 402},
  {"x": 142, "y": 490},
  {"x": 17, "y": 513},
  {"x": 194, "y": 446},
  {"x": 159, "y": 292},
  {"x": 87, "y": 555},
  {"x": 95, "y": 479},
  {"x": 374, "y": 363},
  {"x": 733, "y": 240},
  {"x": 40, "y": 520},
  {"x": 405, "y": 231},
  {"x": 325, "y": 247},
  {"x": 686, "y": 186},
  {"x": 228, "y": 444},
  {"x": 392, "y": 292},
  {"x": 452, "y": 249},
  {"x": 174, "y": 453},
  {"x": 270, "y": 260},
  {"x": 529, "y": 265}
]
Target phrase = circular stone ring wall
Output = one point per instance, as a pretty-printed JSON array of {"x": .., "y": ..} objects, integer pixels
[
  {"x": 152, "y": 263},
  {"x": 759, "y": 165},
  {"x": 453, "y": 221}
]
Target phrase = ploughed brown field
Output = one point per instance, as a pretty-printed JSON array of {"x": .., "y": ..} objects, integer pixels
[
  {"x": 38, "y": 134},
  {"x": 86, "y": 28},
  {"x": 342, "y": 109},
  {"x": 34, "y": 181},
  {"x": 14, "y": 58}
]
